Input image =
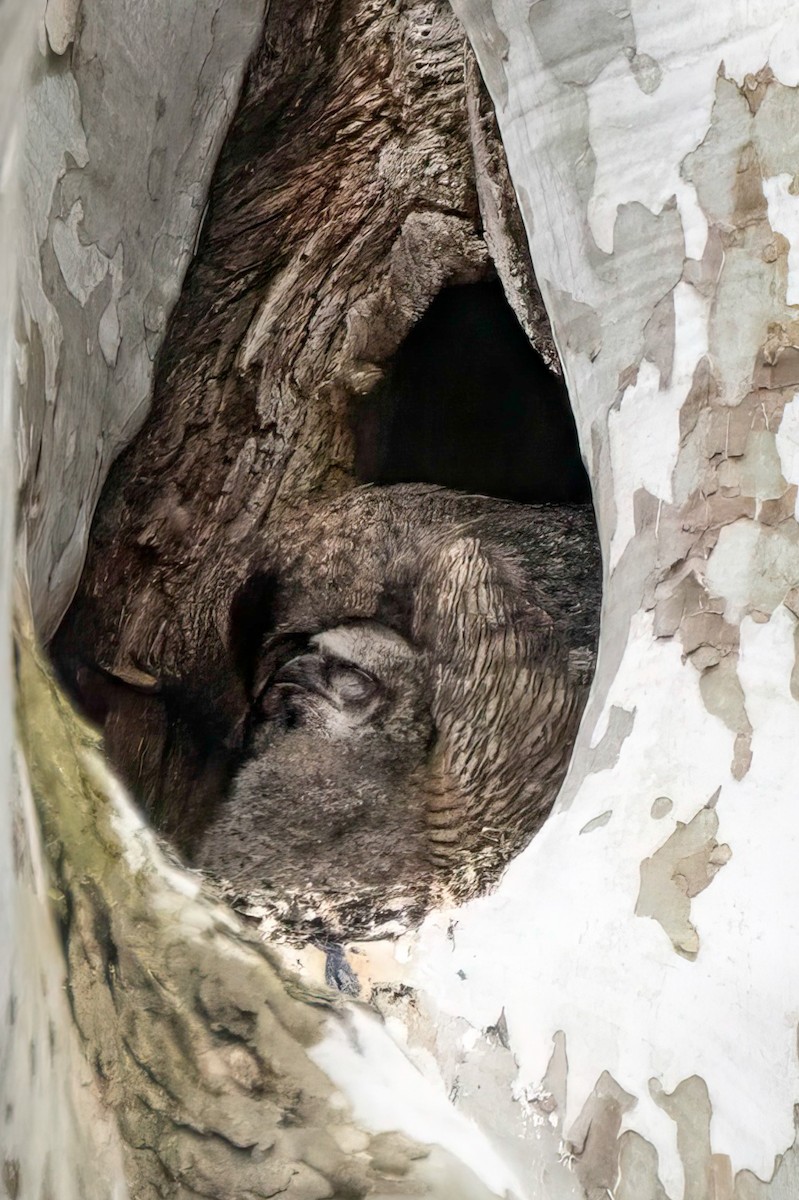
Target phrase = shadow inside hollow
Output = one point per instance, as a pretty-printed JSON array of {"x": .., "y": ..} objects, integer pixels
[{"x": 468, "y": 403}]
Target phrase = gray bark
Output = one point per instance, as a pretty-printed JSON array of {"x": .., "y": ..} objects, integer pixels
[{"x": 117, "y": 165}]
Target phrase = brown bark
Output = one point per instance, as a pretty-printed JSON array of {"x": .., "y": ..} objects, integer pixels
[{"x": 345, "y": 199}]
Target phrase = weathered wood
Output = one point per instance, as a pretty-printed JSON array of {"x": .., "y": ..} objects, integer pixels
[
  {"x": 503, "y": 227},
  {"x": 316, "y": 259}
]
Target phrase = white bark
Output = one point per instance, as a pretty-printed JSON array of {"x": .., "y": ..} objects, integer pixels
[
  {"x": 52, "y": 1124},
  {"x": 644, "y": 951},
  {"x": 118, "y": 160}
]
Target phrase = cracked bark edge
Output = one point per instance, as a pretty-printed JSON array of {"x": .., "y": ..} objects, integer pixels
[{"x": 503, "y": 227}]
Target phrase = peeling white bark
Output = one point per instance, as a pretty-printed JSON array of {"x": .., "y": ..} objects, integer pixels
[
  {"x": 118, "y": 165},
  {"x": 53, "y": 1126},
  {"x": 652, "y": 153}
]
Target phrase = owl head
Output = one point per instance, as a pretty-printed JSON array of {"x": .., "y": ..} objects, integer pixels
[{"x": 357, "y": 681}]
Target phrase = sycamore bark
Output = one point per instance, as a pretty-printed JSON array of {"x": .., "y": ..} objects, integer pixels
[{"x": 619, "y": 1018}]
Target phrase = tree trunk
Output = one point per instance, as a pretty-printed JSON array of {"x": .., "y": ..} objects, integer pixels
[
  {"x": 310, "y": 271},
  {"x": 619, "y": 1017},
  {"x": 656, "y": 1033},
  {"x": 150, "y": 1045}
]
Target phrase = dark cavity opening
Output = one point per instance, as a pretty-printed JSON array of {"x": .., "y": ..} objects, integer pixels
[{"x": 468, "y": 403}]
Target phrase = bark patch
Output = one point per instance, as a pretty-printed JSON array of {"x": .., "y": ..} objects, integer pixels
[
  {"x": 594, "y": 1138},
  {"x": 606, "y": 753},
  {"x": 597, "y": 822},
  {"x": 638, "y": 1170},
  {"x": 682, "y": 868},
  {"x": 689, "y": 1107}
]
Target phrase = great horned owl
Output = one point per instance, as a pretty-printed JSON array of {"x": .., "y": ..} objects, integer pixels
[
  {"x": 328, "y": 799},
  {"x": 421, "y": 740}
]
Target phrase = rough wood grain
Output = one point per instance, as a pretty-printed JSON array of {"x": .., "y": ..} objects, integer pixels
[{"x": 345, "y": 199}]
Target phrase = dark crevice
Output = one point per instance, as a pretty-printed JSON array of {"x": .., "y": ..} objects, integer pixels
[{"x": 468, "y": 403}]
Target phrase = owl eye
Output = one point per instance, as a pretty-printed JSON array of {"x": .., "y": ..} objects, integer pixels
[{"x": 350, "y": 684}]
